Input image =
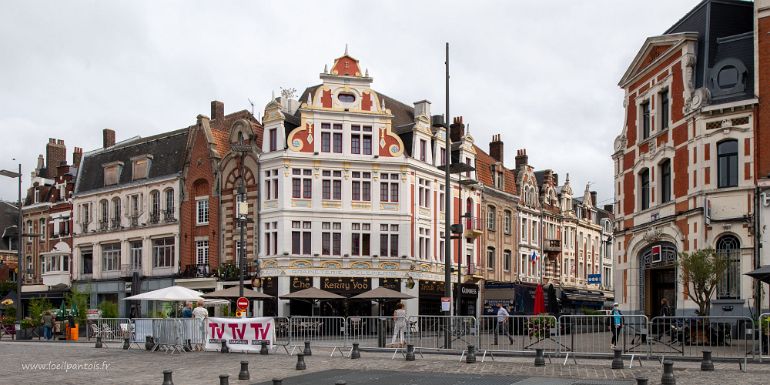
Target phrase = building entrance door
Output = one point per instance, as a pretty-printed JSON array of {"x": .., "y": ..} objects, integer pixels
[{"x": 662, "y": 284}]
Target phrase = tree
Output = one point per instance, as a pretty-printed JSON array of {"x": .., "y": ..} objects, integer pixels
[{"x": 701, "y": 272}]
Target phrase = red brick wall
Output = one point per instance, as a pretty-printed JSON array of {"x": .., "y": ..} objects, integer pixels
[{"x": 762, "y": 131}]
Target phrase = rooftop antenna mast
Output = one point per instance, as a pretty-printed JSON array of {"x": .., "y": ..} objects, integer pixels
[{"x": 252, "y": 106}]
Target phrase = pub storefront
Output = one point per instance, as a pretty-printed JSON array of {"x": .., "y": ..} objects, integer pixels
[
  {"x": 346, "y": 287},
  {"x": 389, "y": 307},
  {"x": 430, "y": 294},
  {"x": 299, "y": 307},
  {"x": 270, "y": 306},
  {"x": 469, "y": 295}
]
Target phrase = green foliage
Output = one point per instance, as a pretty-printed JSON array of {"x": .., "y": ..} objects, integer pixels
[
  {"x": 701, "y": 271},
  {"x": 228, "y": 272},
  {"x": 8, "y": 320},
  {"x": 81, "y": 301},
  {"x": 588, "y": 311},
  {"x": 38, "y": 306},
  {"x": 540, "y": 326},
  {"x": 109, "y": 309},
  {"x": 10, "y": 311},
  {"x": 27, "y": 323}
]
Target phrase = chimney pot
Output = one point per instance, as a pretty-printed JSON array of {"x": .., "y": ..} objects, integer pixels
[
  {"x": 457, "y": 129},
  {"x": 496, "y": 149},
  {"x": 108, "y": 138},
  {"x": 55, "y": 154},
  {"x": 217, "y": 110},
  {"x": 521, "y": 158}
]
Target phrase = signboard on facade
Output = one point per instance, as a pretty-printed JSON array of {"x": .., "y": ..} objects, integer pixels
[
  {"x": 594, "y": 279},
  {"x": 346, "y": 285},
  {"x": 446, "y": 303},
  {"x": 93, "y": 314},
  {"x": 242, "y": 335}
]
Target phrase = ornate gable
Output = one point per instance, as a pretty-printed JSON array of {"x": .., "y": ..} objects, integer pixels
[{"x": 653, "y": 51}]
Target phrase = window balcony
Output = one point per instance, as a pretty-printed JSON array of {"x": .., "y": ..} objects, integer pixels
[
  {"x": 168, "y": 216},
  {"x": 84, "y": 227},
  {"x": 134, "y": 220},
  {"x": 552, "y": 245},
  {"x": 196, "y": 271},
  {"x": 103, "y": 225},
  {"x": 473, "y": 227},
  {"x": 128, "y": 270},
  {"x": 57, "y": 279},
  {"x": 154, "y": 217},
  {"x": 115, "y": 223}
]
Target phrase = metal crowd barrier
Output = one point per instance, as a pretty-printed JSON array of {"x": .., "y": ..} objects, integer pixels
[
  {"x": 320, "y": 331},
  {"x": 110, "y": 329},
  {"x": 193, "y": 333},
  {"x": 596, "y": 335},
  {"x": 142, "y": 329},
  {"x": 518, "y": 333},
  {"x": 762, "y": 335},
  {"x": 168, "y": 333},
  {"x": 725, "y": 336},
  {"x": 379, "y": 331},
  {"x": 453, "y": 333}
]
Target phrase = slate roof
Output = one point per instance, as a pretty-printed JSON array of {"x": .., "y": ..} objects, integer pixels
[
  {"x": 9, "y": 219},
  {"x": 167, "y": 150}
]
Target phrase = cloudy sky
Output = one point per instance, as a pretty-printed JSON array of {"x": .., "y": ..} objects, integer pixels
[{"x": 543, "y": 74}]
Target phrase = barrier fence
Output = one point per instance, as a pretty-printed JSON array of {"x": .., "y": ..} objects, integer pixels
[{"x": 581, "y": 335}]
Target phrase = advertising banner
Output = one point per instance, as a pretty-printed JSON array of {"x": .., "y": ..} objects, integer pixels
[{"x": 241, "y": 334}]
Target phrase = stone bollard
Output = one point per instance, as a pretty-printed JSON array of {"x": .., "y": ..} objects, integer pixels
[
  {"x": 167, "y": 377},
  {"x": 263, "y": 350},
  {"x": 617, "y": 359},
  {"x": 301, "y": 361},
  {"x": 244, "y": 373},
  {"x": 707, "y": 365},
  {"x": 340, "y": 382},
  {"x": 307, "y": 351},
  {"x": 539, "y": 357},
  {"x": 355, "y": 353},
  {"x": 224, "y": 379},
  {"x": 99, "y": 342},
  {"x": 641, "y": 380},
  {"x": 126, "y": 343},
  {"x": 224, "y": 348},
  {"x": 471, "y": 356},
  {"x": 277, "y": 381},
  {"x": 148, "y": 343},
  {"x": 410, "y": 352},
  {"x": 668, "y": 373}
]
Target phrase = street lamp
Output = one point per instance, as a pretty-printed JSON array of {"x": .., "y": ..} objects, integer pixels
[
  {"x": 243, "y": 210},
  {"x": 12, "y": 174}
]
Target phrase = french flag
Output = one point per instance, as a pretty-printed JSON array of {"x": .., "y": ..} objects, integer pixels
[{"x": 533, "y": 257}]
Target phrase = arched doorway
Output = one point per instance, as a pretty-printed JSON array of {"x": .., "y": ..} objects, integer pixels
[{"x": 658, "y": 276}]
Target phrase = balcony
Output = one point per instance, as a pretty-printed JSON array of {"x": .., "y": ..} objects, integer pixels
[
  {"x": 155, "y": 217},
  {"x": 128, "y": 270},
  {"x": 196, "y": 271},
  {"x": 473, "y": 227},
  {"x": 134, "y": 220},
  {"x": 83, "y": 226},
  {"x": 552, "y": 245},
  {"x": 104, "y": 225},
  {"x": 57, "y": 279},
  {"x": 114, "y": 223},
  {"x": 168, "y": 216}
]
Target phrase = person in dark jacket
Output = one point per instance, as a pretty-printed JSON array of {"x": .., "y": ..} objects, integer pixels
[{"x": 663, "y": 326}]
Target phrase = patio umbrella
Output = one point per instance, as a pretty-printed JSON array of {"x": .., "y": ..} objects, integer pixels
[
  {"x": 761, "y": 274},
  {"x": 382, "y": 294},
  {"x": 539, "y": 300},
  {"x": 171, "y": 293},
  {"x": 233, "y": 292},
  {"x": 62, "y": 311},
  {"x": 312, "y": 294}
]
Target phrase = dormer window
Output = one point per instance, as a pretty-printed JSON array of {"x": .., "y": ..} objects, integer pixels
[
  {"x": 140, "y": 167},
  {"x": 346, "y": 98},
  {"x": 112, "y": 173}
]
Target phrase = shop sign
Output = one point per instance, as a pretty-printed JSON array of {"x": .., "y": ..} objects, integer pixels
[
  {"x": 344, "y": 285},
  {"x": 469, "y": 290},
  {"x": 93, "y": 314},
  {"x": 301, "y": 283},
  {"x": 431, "y": 287}
]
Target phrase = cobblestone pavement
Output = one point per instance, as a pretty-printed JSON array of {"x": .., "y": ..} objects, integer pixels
[{"x": 116, "y": 366}]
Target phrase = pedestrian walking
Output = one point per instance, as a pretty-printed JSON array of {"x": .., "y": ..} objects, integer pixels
[
  {"x": 617, "y": 324},
  {"x": 187, "y": 311},
  {"x": 200, "y": 311},
  {"x": 502, "y": 323},
  {"x": 47, "y": 325},
  {"x": 399, "y": 324},
  {"x": 665, "y": 311}
]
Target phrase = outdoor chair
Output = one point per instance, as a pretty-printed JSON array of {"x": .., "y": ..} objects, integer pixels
[
  {"x": 96, "y": 331},
  {"x": 107, "y": 332},
  {"x": 8, "y": 330}
]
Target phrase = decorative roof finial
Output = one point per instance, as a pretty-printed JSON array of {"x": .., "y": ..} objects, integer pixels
[
  {"x": 382, "y": 104},
  {"x": 346, "y": 49},
  {"x": 567, "y": 181},
  {"x": 272, "y": 92},
  {"x": 326, "y": 68},
  {"x": 309, "y": 98},
  {"x": 367, "y": 73}
]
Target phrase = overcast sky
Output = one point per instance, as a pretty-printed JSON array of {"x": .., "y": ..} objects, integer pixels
[{"x": 543, "y": 74}]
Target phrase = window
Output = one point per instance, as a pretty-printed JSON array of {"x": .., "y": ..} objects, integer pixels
[
  {"x": 424, "y": 192},
  {"x": 524, "y": 264},
  {"x": 104, "y": 214},
  {"x": 169, "y": 203},
  {"x": 727, "y": 153},
  {"x": 497, "y": 176},
  {"x": 664, "y": 109},
  {"x": 111, "y": 257},
  {"x": 361, "y": 140},
  {"x": 42, "y": 228},
  {"x": 87, "y": 258},
  {"x": 331, "y": 185},
  {"x": 360, "y": 238},
  {"x": 140, "y": 169},
  {"x": 337, "y": 136},
  {"x": 645, "y": 119},
  {"x": 729, "y": 247},
  {"x": 301, "y": 183},
  {"x": 136, "y": 255},
  {"x": 507, "y": 260},
  {"x": 424, "y": 243},
  {"x": 331, "y": 241},
  {"x": 301, "y": 238},
  {"x": 441, "y": 201},
  {"x": 362, "y": 186},
  {"x": 271, "y": 238},
  {"x": 644, "y": 189},
  {"x": 271, "y": 184},
  {"x": 423, "y": 149},
  {"x": 491, "y": 218},
  {"x": 665, "y": 181},
  {"x": 388, "y": 240},
  {"x": 468, "y": 162},
  {"x": 534, "y": 232},
  {"x": 115, "y": 213},
  {"x": 112, "y": 173},
  {"x": 134, "y": 207},
  {"x": 389, "y": 187},
  {"x": 202, "y": 252},
  {"x": 346, "y": 98},
  {"x": 163, "y": 252},
  {"x": 326, "y": 137},
  {"x": 154, "y": 206},
  {"x": 443, "y": 156},
  {"x": 490, "y": 258},
  {"x": 523, "y": 229},
  {"x": 441, "y": 246},
  {"x": 202, "y": 211},
  {"x": 273, "y": 139},
  {"x": 507, "y": 221}
]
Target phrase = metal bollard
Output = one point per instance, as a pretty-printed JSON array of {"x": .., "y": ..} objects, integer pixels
[
  {"x": 641, "y": 380},
  {"x": 98, "y": 342},
  {"x": 263, "y": 350},
  {"x": 707, "y": 365},
  {"x": 307, "y": 351},
  {"x": 244, "y": 373},
  {"x": 617, "y": 359},
  {"x": 126, "y": 344},
  {"x": 224, "y": 379},
  {"x": 301, "y": 361},
  {"x": 148, "y": 343},
  {"x": 539, "y": 358},
  {"x": 471, "y": 356},
  {"x": 355, "y": 353},
  {"x": 410, "y": 352},
  {"x": 277, "y": 381},
  {"x": 224, "y": 349},
  {"x": 668, "y": 373},
  {"x": 167, "y": 377}
]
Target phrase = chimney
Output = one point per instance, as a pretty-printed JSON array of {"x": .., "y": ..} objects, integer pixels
[
  {"x": 40, "y": 164},
  {"x": 457, "y": 129},
  {"x": 555, "y": 179},
  {"x": 77, "y": 156},
  {"x": 63, "y": 168},
  {"x": 496, "y": 148},
  {"x": 608, "y": 208},
  {"x": 521, "y": 158},
  {"x": 217, "y": 110},
  {"x": 55, "y": 154},
  {"x": 593, "y": 198},
  {"x": 108, "y": 138},
  {"x": 422, "y": 108},
  {"x": 547, "y": 177}
]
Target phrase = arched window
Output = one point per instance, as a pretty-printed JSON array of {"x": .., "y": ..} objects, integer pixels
[
  {"x": 115, "y": 213},
  {"x": 727, "y": 166},
  {"x": 665, "y": 180},
  {"x": 104, "y": 214},
  {"x": 154, "y": 206},
  {"x": 728, "y": 246},
  {"x": 169, "y": 212},
  {"x": 644, "y": 189}
]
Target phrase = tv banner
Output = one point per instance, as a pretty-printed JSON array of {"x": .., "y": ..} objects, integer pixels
[{"x": 241, "y": 334}]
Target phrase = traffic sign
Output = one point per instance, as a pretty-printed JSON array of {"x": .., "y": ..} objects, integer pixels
[
  {"x": 238, "y": 313},
  {"x": 242, "y": 303}
]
